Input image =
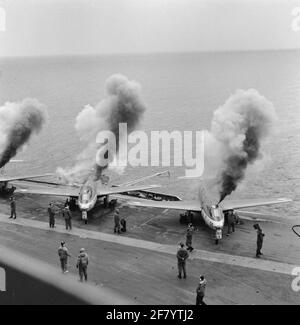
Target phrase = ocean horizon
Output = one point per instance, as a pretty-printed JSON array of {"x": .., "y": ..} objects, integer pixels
[{"x": 181, "y": 91}]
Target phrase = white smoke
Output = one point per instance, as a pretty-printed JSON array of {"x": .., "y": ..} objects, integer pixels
[{"x": 123, "y": 104}]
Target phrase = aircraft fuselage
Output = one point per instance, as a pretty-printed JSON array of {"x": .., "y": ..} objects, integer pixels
[
  {"x": 214, "y": 218},
  {"x": 87, "y": 196}
]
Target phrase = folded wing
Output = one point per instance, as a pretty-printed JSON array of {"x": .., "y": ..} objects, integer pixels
[
  {"x": 192, "y": 205},
  {"x": 123, "y": 189},
  {"x": 20, "y": 178},
  {"x": 240, "y": 204},
  {"x": 71, "y": 191},
  {"x": 68, "y": 191}
]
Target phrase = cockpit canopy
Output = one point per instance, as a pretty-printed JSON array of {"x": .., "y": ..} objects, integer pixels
[
  {"x": 86, "y": 194},
  {"x": 216, "y": 213}
]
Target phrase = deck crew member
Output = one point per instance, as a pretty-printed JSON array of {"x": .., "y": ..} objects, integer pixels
[
  {"x": 182, "y": 256},
  {"x": 260, "y": 239},
  {"x": 230, "y": 222},
  {"x": 200, "y": 291},
  {"x": 82, "y": 264},
  {"x": 67, "y": 203},
  {"x": 13, "y": 213},
  {"x": 51, "y": 213},
  {"x": 117, "y": 221},
  {"x": 63, "y": 257},
  {"x": 123, "y": 225},
  {"x": 189, "y": 237},
  {"x": 68, "y": 217}
]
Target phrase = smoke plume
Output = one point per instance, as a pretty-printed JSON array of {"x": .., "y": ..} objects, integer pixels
[
  {"x": 18, "y": 121},
  {"x": 239, "y": 127},
  {"x": 123, "y": 104}
]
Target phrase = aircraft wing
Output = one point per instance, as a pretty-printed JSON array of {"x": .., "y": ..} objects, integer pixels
[
  {"x": 68, "y": 191},
  {"x": 71, "y": 191},
  {"x": 240, "y": 204},
  {"x": 123, "y": 189},
  {"x": 175, "y": 205},
  {"x": 21, "y": 178}
]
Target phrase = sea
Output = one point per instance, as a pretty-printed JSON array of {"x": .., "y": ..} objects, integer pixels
[{"x": 181, "y": 92}]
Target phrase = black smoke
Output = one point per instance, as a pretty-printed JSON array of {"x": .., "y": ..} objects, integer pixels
[
  {"x": 239, "y": 127},
  {"x": 18, "y": 122},
  {"x": 236, "y": 165}
]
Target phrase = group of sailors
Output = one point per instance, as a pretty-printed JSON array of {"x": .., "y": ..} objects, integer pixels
[
  {"x": 185, "y": 249},
  {"x": 182, "y": 256},
  {"x": 66, "y": 214},
  {"x": 120, "y": 226},
  {"x": 81, "y": 263}
]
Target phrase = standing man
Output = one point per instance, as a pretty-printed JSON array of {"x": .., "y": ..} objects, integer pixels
[
  {"x": 51, "y": 213},
  {"x": 201, "y": 291},
  {"x": 230, "y": 222},
  {"x": 85, "y": 217},
  {"x": 182, "y": 256},
  {"x": 189, "y": 237},
  {"x": 13, "y": 213},
  {"x": 123, "y": 224},
  {"x": 67, "y": 203},
  {"x": 82, "y": 264},
  {"x": 117, "y": 221},
  {"x": 260, "y": 240},
  {"x": 190, "y": 217},
  {"x": 63, "y": 257},
  {"x": 68, "y": 217}
]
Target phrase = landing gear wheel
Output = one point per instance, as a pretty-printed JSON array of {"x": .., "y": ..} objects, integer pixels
[{"x": 217, "y": 241}]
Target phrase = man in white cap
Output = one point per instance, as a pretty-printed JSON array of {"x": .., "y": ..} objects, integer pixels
[
  {"x": 201, "y": 291},
  {"x": 82, "y": 264},
  {"x": 63, "y": 257}
]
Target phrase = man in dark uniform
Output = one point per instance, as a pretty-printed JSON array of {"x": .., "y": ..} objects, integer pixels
[
  {"x": 68, "y": 217},
  {"x": 189, "y": 237},
  {"x": 123, "y": 225},
  {"x": 13, "y": 213},
  {"x": 117, "y": 221},
  {"x": 82, "y": 264},
  {"x": 72, "y": 204},
  {"x": 51, "y": 213},
  {"x": 67, "y": 203},
  {"x": 230, "y": 222},
  {"x": 260, "y": 240},
  {"x": 182, "y": 256},
  {"x": 63, "y": 257}
]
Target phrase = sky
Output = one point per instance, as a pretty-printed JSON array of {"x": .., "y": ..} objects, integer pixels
[{"x": 78, "y": 27}]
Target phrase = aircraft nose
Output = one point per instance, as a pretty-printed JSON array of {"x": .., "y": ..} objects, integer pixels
[{"x": 219, "y": 224}]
